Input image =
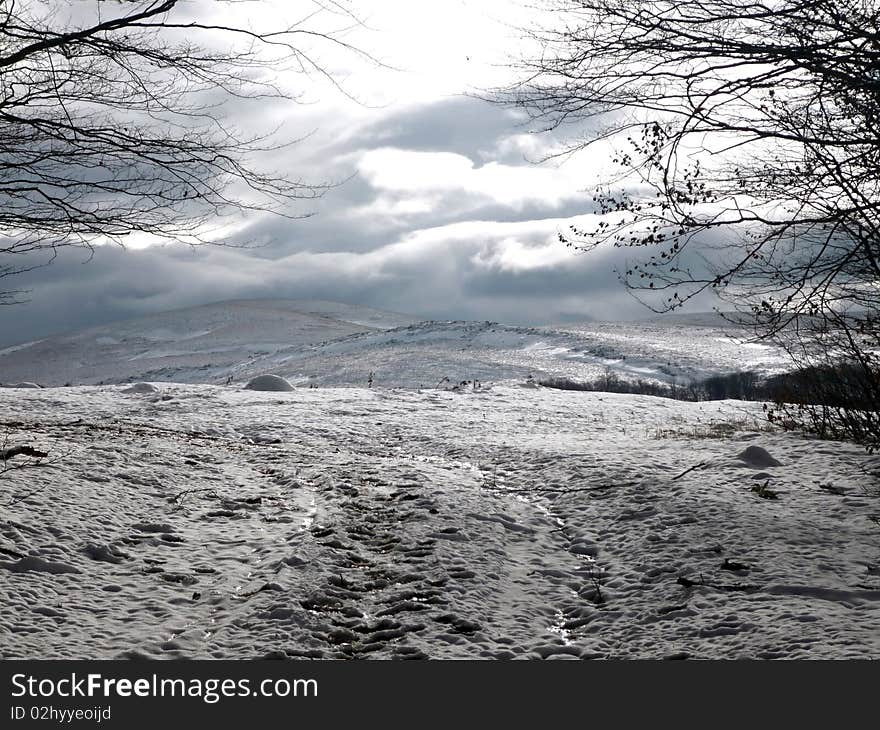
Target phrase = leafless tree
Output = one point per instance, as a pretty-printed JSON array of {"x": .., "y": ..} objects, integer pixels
[
  {"x": 115, "y": 118},
  {"x": 747, "y": 135}
]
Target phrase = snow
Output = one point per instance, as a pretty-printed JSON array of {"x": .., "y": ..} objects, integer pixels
[
  {"x": 454, "y": 509},
  {"x": 202, "y": 521},
  {"x": 325, "y": 343},
  {"x": 142, "y": 388},
  {"x": 200, "y": 344},
  {"x": 269, "y": 383},
  {"x": 14, "y": 348}
]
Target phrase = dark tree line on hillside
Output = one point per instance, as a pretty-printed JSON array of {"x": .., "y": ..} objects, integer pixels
[
  {"x": 116, "y": 119},
  {"x": 836, "y": 387},
  {"x": 748, "y": 139}
]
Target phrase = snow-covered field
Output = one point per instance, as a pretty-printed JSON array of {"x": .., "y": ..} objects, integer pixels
[{"x": 206, "y": 521}]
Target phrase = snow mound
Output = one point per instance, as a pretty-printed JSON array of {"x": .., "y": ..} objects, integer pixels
[
  {"x": 274, "y": 383},
  {"x": 33, "y": 564},
  {"x": 757, "y": 457},
  {"x": 142, "y": 388},
  {"x": 22, "y": 385}
]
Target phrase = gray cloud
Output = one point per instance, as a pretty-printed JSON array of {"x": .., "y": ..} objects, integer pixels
[
  {"x": 445, "y": 277},
  {"x": 456, "y": 247},
  {"x": 464, "y": 125}
]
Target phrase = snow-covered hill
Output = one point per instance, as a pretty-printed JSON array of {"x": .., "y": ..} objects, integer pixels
[
  {"x": 199, "y": 344},
  {"x": 324, "y": 343},
  {"x": 207, "y": 520},
  {"x": 201, "y": 521},
  {"x": 426, "y": 353}
]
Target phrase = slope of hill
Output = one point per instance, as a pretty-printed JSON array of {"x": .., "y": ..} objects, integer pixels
[
  {"x": 197, "y": 344},
  {"x": 426, "y": 353},
  {"x": 326, "y": 343}
]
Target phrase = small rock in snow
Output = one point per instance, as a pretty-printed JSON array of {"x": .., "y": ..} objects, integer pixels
[{"x": 757, "y": 457}]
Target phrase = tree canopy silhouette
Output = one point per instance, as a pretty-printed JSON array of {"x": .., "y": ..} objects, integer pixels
[
  {"x": 115, "y": 119},
  {"x": 748, "y": 138}
]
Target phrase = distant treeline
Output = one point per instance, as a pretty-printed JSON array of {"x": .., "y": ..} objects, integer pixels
[{"x": 840, "y": 386}]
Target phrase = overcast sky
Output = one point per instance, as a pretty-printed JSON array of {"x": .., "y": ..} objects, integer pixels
[{"x": 445, "y": 212}]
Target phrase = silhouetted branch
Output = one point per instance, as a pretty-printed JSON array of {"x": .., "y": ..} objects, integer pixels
[
  {"x": 115, "y": 120},
  {"x": 747, "y": 137}
]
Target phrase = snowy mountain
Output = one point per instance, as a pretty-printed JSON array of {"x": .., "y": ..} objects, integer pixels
[
  {"x": 198, "y": 344},
  {"x": 426, "y": 353},
  {"x": 326, "y": 343}
]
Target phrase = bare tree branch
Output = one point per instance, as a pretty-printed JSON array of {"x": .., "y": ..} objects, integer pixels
[
  {"x": 748, "y": 137},
  {"x": 115, "y": 120}
]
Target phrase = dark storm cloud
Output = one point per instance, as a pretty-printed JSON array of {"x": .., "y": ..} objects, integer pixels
[
  {"x": 335, "y": 227},
  {"x": 455, "y": 272}
]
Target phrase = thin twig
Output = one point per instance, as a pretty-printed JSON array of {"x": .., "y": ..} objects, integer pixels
[{"x": 688, "y": 471}]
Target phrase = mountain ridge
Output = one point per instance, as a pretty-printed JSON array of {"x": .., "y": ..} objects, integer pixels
[{"x": 318, "y": 342}]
